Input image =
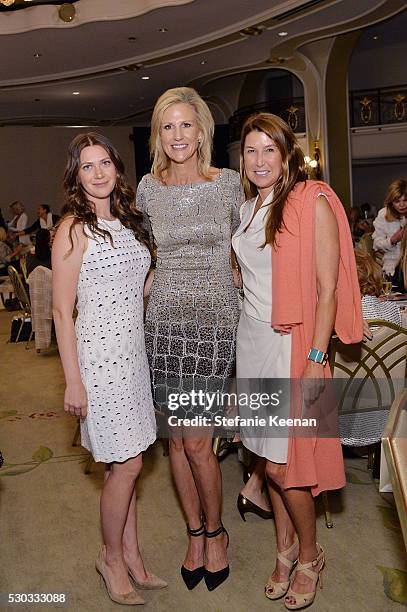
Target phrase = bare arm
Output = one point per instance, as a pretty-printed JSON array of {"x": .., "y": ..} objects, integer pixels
[
  {"x": 15, "y": 253},
  {"x": 148, "y": 283},
  {"x": 327, "y": 266},
  {"x": 237, "y": 276},
  {"x": 65, "y": 275}
]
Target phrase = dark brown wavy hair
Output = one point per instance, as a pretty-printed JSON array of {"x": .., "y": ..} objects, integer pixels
[
  {"x": 122, "y": 198},
  {"x": 293, "y": 167}
]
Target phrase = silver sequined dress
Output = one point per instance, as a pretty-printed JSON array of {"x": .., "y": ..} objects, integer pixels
[{"x": 193, "y": 312}]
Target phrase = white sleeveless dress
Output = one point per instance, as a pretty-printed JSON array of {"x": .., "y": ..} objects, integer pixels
[
  {"x": 262, "y": 354},
  {"x": 110, "y": 342}
]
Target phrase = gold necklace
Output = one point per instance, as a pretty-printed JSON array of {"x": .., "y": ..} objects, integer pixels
[{"x": 109, "y": 228}]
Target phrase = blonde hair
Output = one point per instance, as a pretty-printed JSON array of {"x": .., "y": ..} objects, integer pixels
[
  {"x": 293, "y": 166},
  {"x": 369, "y": 274},
  {"x": 3, "y": 234},
  {"x": 397, "y": 189},
  {"x": 205, "y": 122}
]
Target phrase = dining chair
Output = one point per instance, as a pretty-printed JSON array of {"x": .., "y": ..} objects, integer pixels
[
  {"x": 23, "y": 268},
  {"x": 40, "y": 292},
  {"x": 367, "y": 377},
  {"x": 24, "y": 301}
]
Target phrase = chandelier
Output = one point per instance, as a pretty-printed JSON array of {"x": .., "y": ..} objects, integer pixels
[{"x": 13, "y": 5}]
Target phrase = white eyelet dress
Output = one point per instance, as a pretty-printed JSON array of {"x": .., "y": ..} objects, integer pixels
[
  {"x": 261, "y": 353},
  {"x": 120, "y": 422}
]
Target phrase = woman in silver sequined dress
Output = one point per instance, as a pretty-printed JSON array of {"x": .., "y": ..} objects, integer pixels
[{"x": 192, "y": 313}]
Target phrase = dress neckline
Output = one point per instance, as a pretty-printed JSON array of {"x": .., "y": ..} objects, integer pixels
[
  {"x": 113, "y": 225},
  {"x": 215, "y": 180},
  {"x": 253, "y": 214}
]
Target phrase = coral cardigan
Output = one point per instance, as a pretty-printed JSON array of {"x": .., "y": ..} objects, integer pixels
[{"x": 314, "y": 462}]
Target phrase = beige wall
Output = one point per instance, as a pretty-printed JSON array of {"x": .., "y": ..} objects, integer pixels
[
  {"x": 381, "y": 66},
  {"x": 33, "y": 160}
]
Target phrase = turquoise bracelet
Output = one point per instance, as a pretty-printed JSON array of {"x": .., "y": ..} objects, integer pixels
[{"x": 318, "y": 356}]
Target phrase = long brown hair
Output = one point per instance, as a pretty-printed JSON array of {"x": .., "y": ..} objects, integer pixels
[
  {"x": 369, "y": 274},
  {"x": 122, "y": 198},
  {"x": 397, "y": 189},
  {"x": 293, "y": 167}
]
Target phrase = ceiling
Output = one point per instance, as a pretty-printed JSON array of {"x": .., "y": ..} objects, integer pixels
[{"x": 90, "y": 71}]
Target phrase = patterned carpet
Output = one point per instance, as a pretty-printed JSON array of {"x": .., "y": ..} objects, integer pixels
[{"x": 49, "y": 516}]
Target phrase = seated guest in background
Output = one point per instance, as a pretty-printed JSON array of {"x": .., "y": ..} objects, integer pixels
[
  {"x": 4, "y": 252},
  {"x": 400, "y": 275},
  {"x": 371, "y": 288},
  {"x": 359, "y": 225},
  {"x": 20, "y": 219},
  {"x": 17, "y": 224},
  {"x": 42, "y": 254},
  {"x": 367, "y": 214},
  {"x": 16, "y": 250},
  {"x": 46, "y": 220},
  {"x": 389, "y": 225},
  {"x": 2, "y": 221}
]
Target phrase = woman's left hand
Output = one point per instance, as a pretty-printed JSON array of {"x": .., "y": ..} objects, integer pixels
[
  {"x": 283, "y": 330},
  {"x": 237, "y": 278},
  {"x": 313, "y": 381}
]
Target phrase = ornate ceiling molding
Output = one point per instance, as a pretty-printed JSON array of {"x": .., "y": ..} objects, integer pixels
[
  {"x": 87, "y": 11},
  {"x": 288, "y": 52},
  {"x": 215, "y": 39}
]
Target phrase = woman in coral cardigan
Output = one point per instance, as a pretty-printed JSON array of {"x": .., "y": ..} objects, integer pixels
[{"x": 295, "y": 252}]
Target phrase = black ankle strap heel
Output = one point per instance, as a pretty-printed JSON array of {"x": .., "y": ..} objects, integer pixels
[
  {"x": 193, "y": 577},
  {"x": 215, "y": 579},
  {"x": 196, "y": 532}
]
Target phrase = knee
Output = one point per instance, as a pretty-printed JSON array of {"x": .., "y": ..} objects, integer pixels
[
  {"x": 176, "y": 445},
  {"x": 131, "y": 468},
  {"x": 198, "y": 449},
  {"x": 276, "y": 472}
]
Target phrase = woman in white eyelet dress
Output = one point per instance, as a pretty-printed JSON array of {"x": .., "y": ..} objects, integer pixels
[
  {"x": 100, "y": 254},
  {"x": 110, "y": 340}
]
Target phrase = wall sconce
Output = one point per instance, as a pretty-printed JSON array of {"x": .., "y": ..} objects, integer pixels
[{"x": 312, "y": 164}]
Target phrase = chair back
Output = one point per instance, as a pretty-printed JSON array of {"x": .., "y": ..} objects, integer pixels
[
  {"x": 23, "y": 266},
  {"x": 367, "y": 378},
  {"x": 19, "y": 290}
]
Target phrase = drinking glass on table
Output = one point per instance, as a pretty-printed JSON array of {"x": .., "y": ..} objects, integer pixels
[{"x": 387, "y": 286}]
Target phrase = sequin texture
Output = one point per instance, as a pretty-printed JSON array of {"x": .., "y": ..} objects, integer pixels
[{"x": 193, "y": 312}]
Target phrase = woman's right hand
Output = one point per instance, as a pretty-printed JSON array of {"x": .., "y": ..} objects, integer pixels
[
  {"x": 397, "y": 236},
  {"x": 76, "y": 399}
]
